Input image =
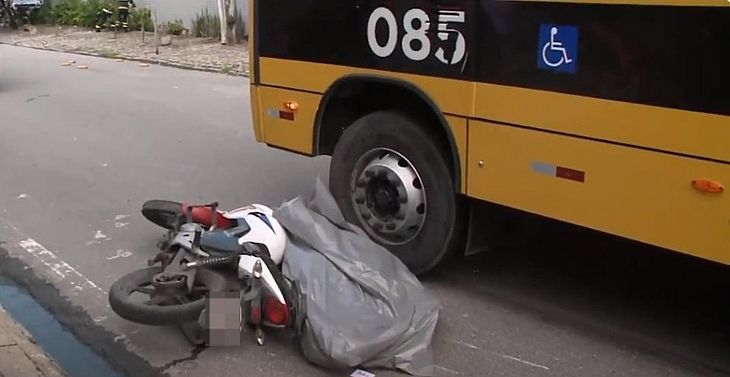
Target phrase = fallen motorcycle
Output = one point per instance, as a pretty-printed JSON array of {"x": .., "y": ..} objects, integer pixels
[{"x": 207, "y": 251}]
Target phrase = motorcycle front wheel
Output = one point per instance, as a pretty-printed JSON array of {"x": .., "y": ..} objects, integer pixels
[{"x": 161, "y": 310}]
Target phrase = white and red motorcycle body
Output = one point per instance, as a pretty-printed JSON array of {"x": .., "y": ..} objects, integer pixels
[
  {"x": 207, "y": 250},
  {"x": 253, "y": 224}
]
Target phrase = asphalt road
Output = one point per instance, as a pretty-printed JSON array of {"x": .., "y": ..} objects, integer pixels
[{"x": 80, "y": 150}]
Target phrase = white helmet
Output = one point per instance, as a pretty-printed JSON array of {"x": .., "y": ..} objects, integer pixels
[{"x": 265, "y": 229}]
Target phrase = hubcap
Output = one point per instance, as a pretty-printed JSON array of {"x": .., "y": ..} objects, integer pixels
[{"x": 388, "y": 197}]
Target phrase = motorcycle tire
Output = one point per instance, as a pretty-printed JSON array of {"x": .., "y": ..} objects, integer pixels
[
  {"x": 164, "y": 213},
  {"x": 157, "y": 315}
]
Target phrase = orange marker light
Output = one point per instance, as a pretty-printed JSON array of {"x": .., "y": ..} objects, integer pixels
[
  {"x": 708, "y": 185},
  {"x": 291, "y": 106}
]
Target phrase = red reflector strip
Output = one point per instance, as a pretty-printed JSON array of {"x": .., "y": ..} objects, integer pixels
[
  {"x": 286, "y": 115},
  {"x": 572, "y": 174},
  {"x": 558, "y": 171}
]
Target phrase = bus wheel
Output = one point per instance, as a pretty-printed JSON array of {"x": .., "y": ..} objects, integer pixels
[{"x": 390, "y": 178}]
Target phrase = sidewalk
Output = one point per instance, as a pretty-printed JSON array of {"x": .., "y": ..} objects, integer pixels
[
  {"x": 19, "y": 355},
  {"x": 183, "y": 52}
]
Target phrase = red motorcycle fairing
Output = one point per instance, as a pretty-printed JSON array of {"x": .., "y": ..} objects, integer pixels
[{"x": 203, "y": 216}]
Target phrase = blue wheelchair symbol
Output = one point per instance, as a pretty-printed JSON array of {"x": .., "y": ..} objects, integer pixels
[{"x": 558, "y": 48}]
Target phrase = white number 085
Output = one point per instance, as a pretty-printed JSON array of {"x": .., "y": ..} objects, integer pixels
[{"x": 416, "y": 33}]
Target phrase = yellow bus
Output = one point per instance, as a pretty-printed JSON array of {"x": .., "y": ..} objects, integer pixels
[{"x": 613, "y": 115}]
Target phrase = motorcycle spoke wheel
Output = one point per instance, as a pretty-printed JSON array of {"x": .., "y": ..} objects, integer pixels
[
  {"x": 171, "y": 310},
  {"x": 145, "y": 290},
  {"x": 198, "y": 290},
  {"x": 157, "y": 300}
]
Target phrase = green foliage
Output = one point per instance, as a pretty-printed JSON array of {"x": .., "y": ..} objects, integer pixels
[
  {"x": 240, "y": 23},
  {"x": 175, "y": 27},
  {"x": 85, "y": 12},
  {"x": 45, "y": 14},
  {"x": 79, "y": 12},
  {"x": 69, "y": 12},
  {"x": 206, "y": 25},
  {"x": 139, "y": 17}
]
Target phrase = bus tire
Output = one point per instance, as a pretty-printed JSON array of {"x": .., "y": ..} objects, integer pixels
[{"x": 390, "y": 178}]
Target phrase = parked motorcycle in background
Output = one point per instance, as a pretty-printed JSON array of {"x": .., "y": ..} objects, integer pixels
[
  {"x": 208, "y": 251},
  {"x": 15, "y": 12}
]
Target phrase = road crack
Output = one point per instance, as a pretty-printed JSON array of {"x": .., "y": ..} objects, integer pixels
[{"x": 193, "y": 355}]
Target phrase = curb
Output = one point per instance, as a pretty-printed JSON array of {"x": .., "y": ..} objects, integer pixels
[
  {"x": 43, "y": 363},
  {"x": 136, "y": 59}
]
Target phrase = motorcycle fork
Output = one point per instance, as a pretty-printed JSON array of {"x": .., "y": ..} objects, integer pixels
[
  {"x": 252, "y": 299},
  {"x": 173, "y": 265}
]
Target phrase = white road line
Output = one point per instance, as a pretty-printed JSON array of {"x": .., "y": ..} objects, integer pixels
[
  {"x": 65, "y": 271},
  {"x": 57, "y": 265},
  {"x": 100, "y": 318},
  {"x": 517, "y": 359},
  {"x": 465, "y": 344},
  {"x": 121, "y": 253},
  {"x": 447, "y": 370}
]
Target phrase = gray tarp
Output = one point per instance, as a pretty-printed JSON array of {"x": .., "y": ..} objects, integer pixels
[{"x": 363, "y": 307}]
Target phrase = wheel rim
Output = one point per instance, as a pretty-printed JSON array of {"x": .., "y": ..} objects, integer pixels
[
  {"x": 388, "y": 196},
  {"x": 169, "y": 290}
]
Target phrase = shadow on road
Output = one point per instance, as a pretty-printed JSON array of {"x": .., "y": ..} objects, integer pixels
[{"x": 662, "y": 303}]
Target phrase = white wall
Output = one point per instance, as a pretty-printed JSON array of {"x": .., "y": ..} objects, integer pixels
[{"x": 185, "y": 10}]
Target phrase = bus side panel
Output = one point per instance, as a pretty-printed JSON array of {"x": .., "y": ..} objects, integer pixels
[
  {"x": 681, "y": 131},
  {"x": 634, "y": 193},
  {"x": 451, "y": 96},
  {"x": 281, "y": 127},
  {"x": 459, "y": 130}
]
